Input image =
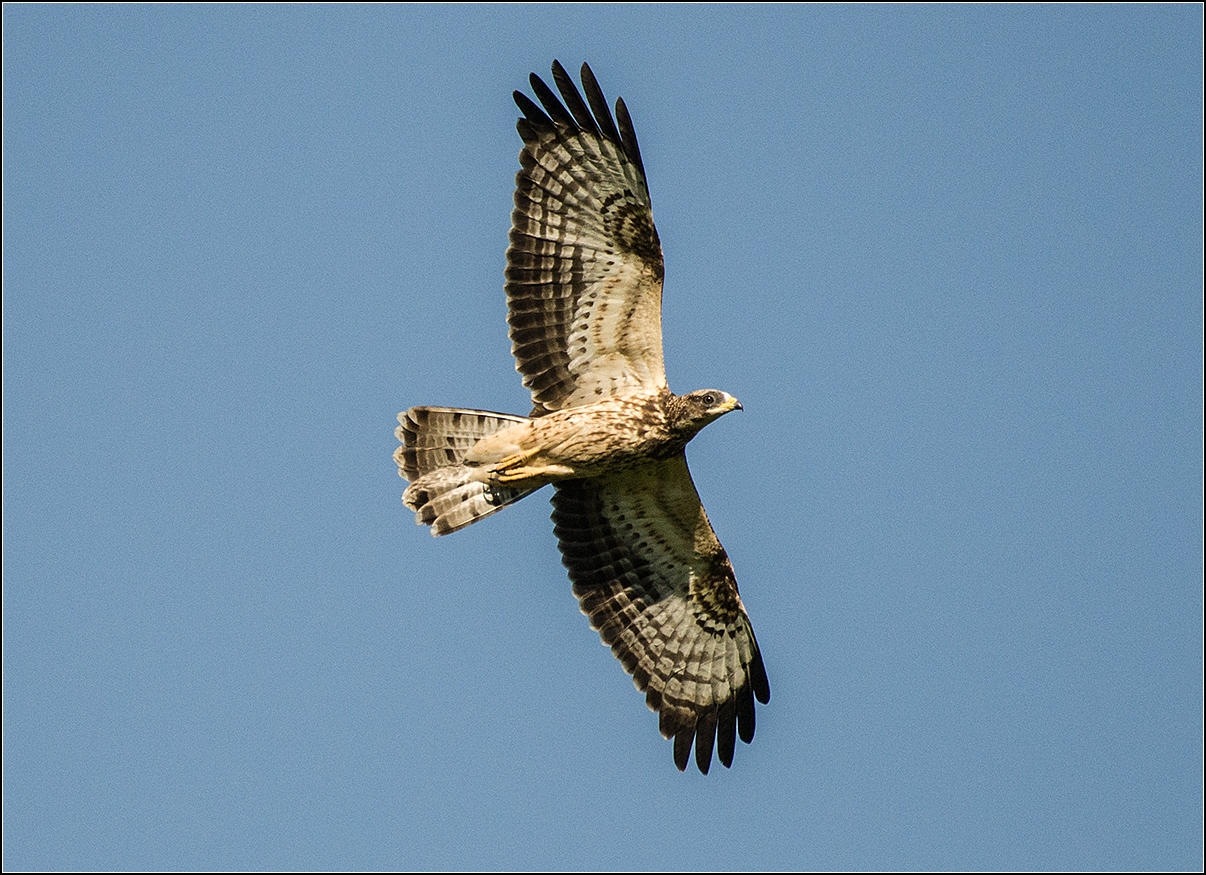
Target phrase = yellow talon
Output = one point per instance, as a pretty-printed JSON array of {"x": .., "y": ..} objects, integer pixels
[{"x": 512, "y": 468}]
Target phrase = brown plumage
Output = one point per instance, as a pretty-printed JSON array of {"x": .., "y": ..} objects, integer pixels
[{"x": 584, "y": 286}]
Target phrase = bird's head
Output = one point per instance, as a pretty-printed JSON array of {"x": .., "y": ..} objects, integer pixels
[{"x": 691, "y": 412}]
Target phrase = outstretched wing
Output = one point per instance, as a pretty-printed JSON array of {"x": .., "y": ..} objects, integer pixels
[
  {"x": 584, "y": 268},
  {"x": 651, "y": 575}
]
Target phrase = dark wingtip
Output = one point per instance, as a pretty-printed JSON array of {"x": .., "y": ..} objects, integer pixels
[
  {"x": 682, "y": 749},
  {"x": 592, "y": 115},
  {"x": 628, "y": 135},
  {"x": 530, "y": 110},
  {"x": 705, "y": 736},
  {"x": 598, "y": 105}
]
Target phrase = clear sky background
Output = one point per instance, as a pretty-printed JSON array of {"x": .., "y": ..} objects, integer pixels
[{"x": 950, "y": 259}]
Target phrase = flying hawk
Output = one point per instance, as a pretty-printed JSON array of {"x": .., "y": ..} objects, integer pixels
[{"x": 584, "y": 292}]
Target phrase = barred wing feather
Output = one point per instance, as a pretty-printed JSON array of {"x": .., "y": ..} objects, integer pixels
[
  {"x": 649, "y": 572},
  {"x": 584, "y": 265}
]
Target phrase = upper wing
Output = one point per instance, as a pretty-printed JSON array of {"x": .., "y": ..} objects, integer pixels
[
  {"x": 584, "y": 268},
  {"x": 651, "y": 575}
]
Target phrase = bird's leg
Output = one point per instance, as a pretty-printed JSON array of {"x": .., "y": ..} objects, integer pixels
[{"x": 514, "y": 468}]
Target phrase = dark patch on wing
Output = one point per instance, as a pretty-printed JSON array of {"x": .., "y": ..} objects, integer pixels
[
  {"x": 668, "y": 609},
  {"x": 584, "y": 265}
]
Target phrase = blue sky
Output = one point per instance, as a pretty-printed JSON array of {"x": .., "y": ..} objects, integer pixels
[{"x": 950, "y": 260}]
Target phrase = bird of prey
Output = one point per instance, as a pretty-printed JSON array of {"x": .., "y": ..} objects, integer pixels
[{"x": 584, "y": 290}]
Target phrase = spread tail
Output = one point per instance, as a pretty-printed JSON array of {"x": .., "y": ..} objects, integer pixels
[{"x": 445, "y": 493}]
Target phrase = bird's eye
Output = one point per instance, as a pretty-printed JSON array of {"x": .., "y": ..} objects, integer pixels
[{"x": 709, "y": 399}]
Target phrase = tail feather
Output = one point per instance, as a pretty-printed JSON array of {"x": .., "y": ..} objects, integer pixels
[
  {"x": 450, "y": 499},
  {"x": 436, "y": 437},
  {"x": 445, "y": 493}
]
